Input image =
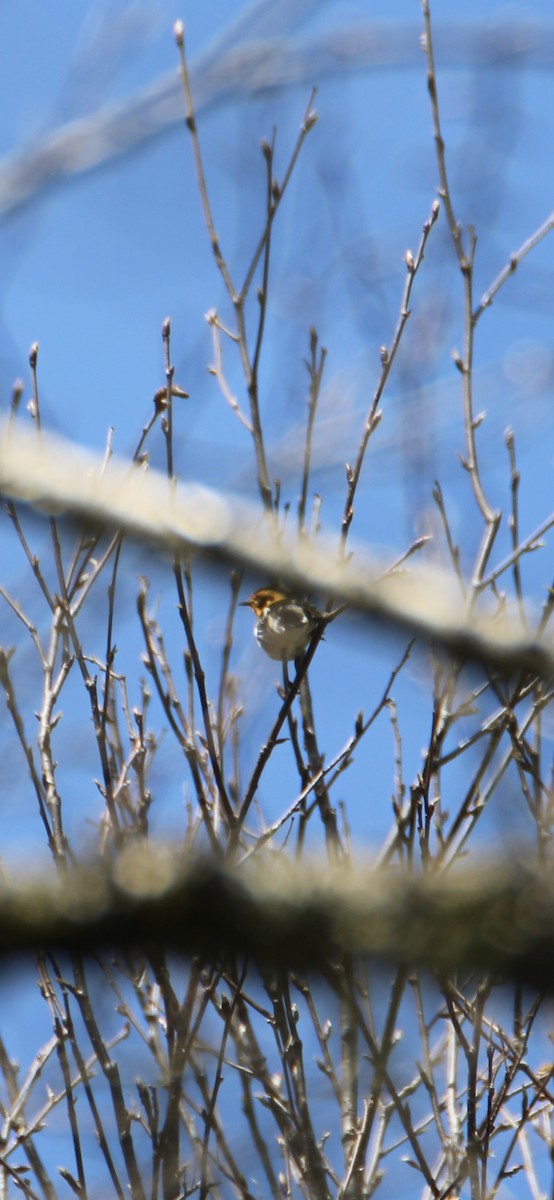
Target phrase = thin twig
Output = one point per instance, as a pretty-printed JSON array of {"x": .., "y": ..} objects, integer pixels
[
  {"x": 513, "y": 262},
  {"x": 388, "y": 357}
]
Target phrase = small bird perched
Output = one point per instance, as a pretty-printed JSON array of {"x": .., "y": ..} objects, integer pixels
[{"x": 284, "y": 626}]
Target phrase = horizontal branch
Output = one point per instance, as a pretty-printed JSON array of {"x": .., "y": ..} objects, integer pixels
[
  {"x": 57, "y": 477},
  {"x": 495, "y": 917}
]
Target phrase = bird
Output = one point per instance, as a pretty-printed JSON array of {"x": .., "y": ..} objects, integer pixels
[{"x": 285, "y": 625}]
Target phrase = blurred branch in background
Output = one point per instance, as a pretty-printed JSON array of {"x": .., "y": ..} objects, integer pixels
[
  {"x": 58, "y": 477},
  {"x": 255, "y": 54}
]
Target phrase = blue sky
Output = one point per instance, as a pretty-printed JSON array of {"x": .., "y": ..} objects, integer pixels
[{"x": 93, "y": 264}]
